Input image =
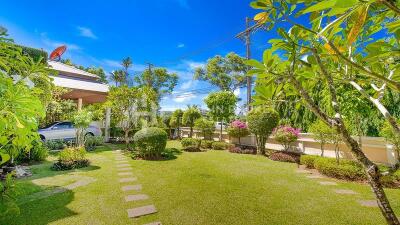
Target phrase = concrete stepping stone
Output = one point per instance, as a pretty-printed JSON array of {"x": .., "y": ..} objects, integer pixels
[
  {"x": 141, "y": 211},
  {"x": 116, "y": 151},
  {"x": 328, "y": 183},
  {"x": 345, "y": 191},
  {"x": 125, "y": 169},
  {"x": 125, "y": 174},
  {"x": 316, "y": 176},
  {"x": 136, "y": 187},
  {"x": 122, "y": 161},
  {"x": 123, "y": 165},
  {"x": 138, "y": 197},
  {"x": 368, "y": 203},
  {"x": 127, "y": 179},
  {"x": 303, "y": 171},
  {"x": 154, "y": 223}
]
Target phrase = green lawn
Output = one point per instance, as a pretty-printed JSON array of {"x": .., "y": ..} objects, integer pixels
[{"x": 214, "y": 187}]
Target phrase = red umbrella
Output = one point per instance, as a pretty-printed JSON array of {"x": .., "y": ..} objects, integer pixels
[{"x": 56, "y": 54}]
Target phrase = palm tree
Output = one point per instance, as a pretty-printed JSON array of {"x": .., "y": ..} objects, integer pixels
[{"x": 118, "y": 76}]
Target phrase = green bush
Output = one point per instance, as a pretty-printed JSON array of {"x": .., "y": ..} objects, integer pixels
[
  {"x": 71, "y": 158},
  {"x": 91, "y": 142},
  {"x": 55, "y": 144},
  {"x": 150, "y": 142},
  {"x": 308, "y": 160},
  {"x": 346, "y": 169},
  {"x": 219, "y": 145},
  {"x": 206, "y": 144},
  {"x": 189, "y": 142},
  {"x": 396, "y": 175},
  {"x": 261, "y": 121},
  {"x": 39, "y": 153}
]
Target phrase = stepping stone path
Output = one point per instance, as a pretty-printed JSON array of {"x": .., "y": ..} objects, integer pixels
[
  {"x": 125, "y": 174},
  {"x": 345, "y": 191},
  {"x": 141, "y": 211},
  {"x": 316, "y": 176},
  {"x": 130, "y": 198},
  {"x": 123, "y": 165},
  {"x": 328, "y": 183},
  {"x": 125, "y": 169},
  {"x": 137, "y": 187},
  {"x": 128, "y": 179},
  {"x": 368, "y": 203}
]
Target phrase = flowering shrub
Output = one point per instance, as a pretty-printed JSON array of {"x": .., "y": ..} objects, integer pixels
[
  {"x": 238, "y": 129},
  {"x": 286, "y": 135}
]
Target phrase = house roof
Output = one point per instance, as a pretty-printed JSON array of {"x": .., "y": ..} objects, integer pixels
[
  {"x": 64, "y": 68},
  {"x": 80, "y": 84}
]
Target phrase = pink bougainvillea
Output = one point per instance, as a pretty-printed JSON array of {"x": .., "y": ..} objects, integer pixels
[
  {"x": 286, "y": 135},
  {"x": 239, "y": 124}
]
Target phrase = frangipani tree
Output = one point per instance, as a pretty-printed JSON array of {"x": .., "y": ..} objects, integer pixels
[{"x": 339, "y": 46}]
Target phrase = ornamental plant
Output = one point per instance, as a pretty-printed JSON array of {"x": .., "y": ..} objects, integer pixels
[
  {"x": 238, "y": 129},
  {"x": 286, "y": 135},
  {"x": 261, "y": 122}
]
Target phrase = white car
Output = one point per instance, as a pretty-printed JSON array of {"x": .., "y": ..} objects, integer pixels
[{"x": 65, "y": 131}]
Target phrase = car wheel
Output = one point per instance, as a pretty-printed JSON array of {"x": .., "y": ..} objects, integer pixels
[
  {"x": 89, "y": 135},
  {"x": 42, "y": 138}
]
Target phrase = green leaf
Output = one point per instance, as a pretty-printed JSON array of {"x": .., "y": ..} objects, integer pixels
[
  {"x": 345, "y": 3},
  {"x": 320, "y": 6},
  {"x": 254, "y": 63},
  {"x": 4, "y": 158}
]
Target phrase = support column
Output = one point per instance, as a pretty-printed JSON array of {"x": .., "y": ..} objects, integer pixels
[
  {"x": 79, "y": 104},
  {"x": 391, "y": 154},
  {"x": 107, "y": 125}
]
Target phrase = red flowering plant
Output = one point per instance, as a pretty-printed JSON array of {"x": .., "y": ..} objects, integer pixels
[
  {"x": 238, "y": 129},
  {"x": 286, "y": 135}
]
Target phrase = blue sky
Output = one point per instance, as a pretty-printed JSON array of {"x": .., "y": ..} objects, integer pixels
[{"x": 177, "y": 34}]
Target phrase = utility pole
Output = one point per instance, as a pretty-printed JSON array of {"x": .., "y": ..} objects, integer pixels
[{"x": 246, "y": 35}]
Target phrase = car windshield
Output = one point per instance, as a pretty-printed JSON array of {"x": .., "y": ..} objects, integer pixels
[{"x": 49, "y": 125}]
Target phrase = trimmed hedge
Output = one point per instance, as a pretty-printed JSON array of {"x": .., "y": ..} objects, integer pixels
[
  {"x": 150, "y": 142},
  {"x": 285, "y": 156},
  {"x": 346, "y": 169},
  {"x": 308, "y": 160},
  {"x": 189, "y": 142},
  {"x": 207, "y": 144},
  {"x": 219, "y": 145}
]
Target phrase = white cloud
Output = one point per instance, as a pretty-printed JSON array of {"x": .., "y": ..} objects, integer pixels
[
  {"x": 185, "y": 98},
  {"x": 86, "y": 32},
  {"x": 181, "y": 45}
]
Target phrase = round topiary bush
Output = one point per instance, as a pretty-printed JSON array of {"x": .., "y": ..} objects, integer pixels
[
  {"x": 261, "y": 121},
  {"x": 150, "y": 142}
]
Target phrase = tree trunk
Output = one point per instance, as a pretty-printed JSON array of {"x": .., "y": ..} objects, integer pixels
[
  {"x": 127, "y": 139},
  {"x": 220, "y": 132},
  {"x": 322, "y": 149},
  {"x": 191, "y": 132},
  {"x": 370, "y": 168}
]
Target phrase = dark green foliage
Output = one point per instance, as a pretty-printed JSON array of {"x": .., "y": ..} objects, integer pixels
[
  {"x": 207, "y": 144},
  {"x": 261, "y": 122},
  {"x": 150, "y": 142},
  {"x": 37, "y": 153},
  {"x": 55, "y": 144},
  {"x": 219, "y": 145},
  {"x": 91, "y": 142},
  {"x": 71, "y": 158},
  {"x": 308, "y": 160},
  {"x": 346, "y": 169},
  {"x": 189, "y": 142},
  {"x": 35, "y": 54},
  {"x": 285, "y": 156}
]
